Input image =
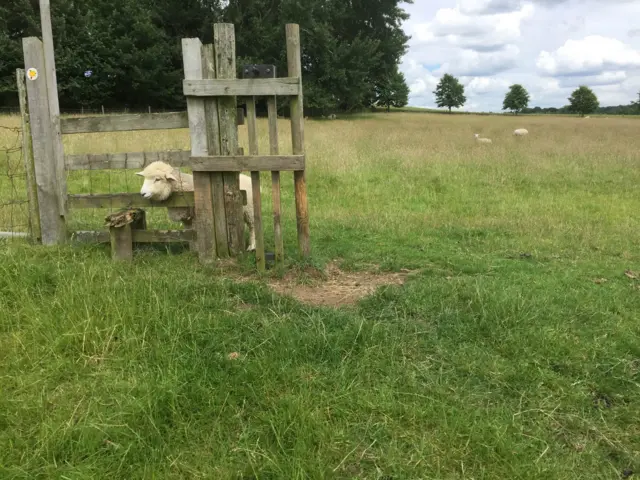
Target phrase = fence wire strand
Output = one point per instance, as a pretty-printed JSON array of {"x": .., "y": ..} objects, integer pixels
[{"x": 14, "y": 203}]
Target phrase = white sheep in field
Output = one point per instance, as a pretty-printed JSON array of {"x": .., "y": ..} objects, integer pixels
[
  {"x": 480, "y": 139},
  {"x": 161, "y": 180},
  {"x": 518, "y": 132}
]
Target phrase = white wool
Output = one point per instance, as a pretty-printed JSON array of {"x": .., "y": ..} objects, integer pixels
[
  {"x": 520, "y": 131},
  {"x": 480, "y": 139},
  {"x": 161, "y": 180}
]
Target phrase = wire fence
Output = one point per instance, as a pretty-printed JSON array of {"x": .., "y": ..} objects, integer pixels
[{"x": 14, "y": 202}]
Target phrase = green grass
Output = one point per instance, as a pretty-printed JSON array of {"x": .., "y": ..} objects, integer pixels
[{"x": 513, "y": 353}]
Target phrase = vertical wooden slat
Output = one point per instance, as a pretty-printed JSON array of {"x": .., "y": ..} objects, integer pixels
[
  {"x": 27, "y": 159},
  {"x": 52, "y": 223},
  {"x": 275, "y": 181},
  {"x": 203, "y": 195},
  {"x": 252, "y": 128},
  {"x": 54, "y": 107},
  {"x": 121, "y": 239},
  {"x": 225, "y": 56},
  {"x": 213, "y": 139},
  {"x": 297, "y": 138}
]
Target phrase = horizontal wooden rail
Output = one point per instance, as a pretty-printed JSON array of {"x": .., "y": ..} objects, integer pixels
[
  {"x": 121, "y": 123},
  {"x": 246, "y": 87},
  {"x": 133, "y": 200},
  {"x": 239, "y": 163},
  {"x": 109, "y": 161},
  {"x": 139, "y": 236}
]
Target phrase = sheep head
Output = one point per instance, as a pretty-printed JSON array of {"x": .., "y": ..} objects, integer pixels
[{"x": 159, "y": 181}]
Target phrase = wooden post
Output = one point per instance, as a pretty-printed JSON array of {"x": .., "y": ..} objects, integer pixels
[
  {"x": 27, "y": 158},
  {"x": 297, "y": 138},
  {"x": 275, "y": 181},
  {"x": 213, "y": 141},
  {"x": 52, "y": 222},
  {"x": 54, "y": 108},
  {"x": 225, "y": 63},
  {"x": 203, "y": 195},
  {"x": 255, "y": 183},
  {"x": 121, "y": 239}
]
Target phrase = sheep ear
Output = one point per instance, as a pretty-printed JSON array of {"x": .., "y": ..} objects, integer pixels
[
  {"x": 171, "y": 176},
  {"x": 140, "y": 173}
]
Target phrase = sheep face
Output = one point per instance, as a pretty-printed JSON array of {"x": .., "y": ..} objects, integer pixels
[{"x": 159, "y": 181}]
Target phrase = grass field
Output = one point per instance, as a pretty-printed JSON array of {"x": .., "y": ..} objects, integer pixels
[{"x": 512, "y": 352}]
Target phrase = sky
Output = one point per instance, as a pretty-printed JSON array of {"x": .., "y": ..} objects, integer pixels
[{"x": 549, "y": 46}]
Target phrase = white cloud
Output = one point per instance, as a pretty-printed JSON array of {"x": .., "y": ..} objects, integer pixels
[
  {"x": 549, "y": 46},
  {"x": 592, "y": 55}
]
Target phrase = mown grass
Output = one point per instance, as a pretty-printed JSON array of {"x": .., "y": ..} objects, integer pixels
[{"x": 513, "y": 354}]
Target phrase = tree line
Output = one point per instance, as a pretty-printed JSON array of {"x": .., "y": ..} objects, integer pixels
[
  {"x": 449, "y": 93},
  {"x": 127, "y": 53}
]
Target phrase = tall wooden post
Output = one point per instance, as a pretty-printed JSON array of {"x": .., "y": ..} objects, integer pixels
[
  {"x": 52, "y": 221},
  {"x": 225, "y": 64},
  {"x": 54, "y": 108},
  {"x": 27, "y": 159},
  {"x": 297, "y": 138}
]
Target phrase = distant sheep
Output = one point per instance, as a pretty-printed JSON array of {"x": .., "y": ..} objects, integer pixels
[
  {"x": 518, "y": 132},
  {"x": 480, "y": 139},
  {"x": 161, "y": 180}
]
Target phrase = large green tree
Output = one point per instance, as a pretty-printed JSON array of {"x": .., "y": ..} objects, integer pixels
[
  {"x": 393, "y": 91},
  {"x": 583, "y": 101},
  {"x": 516, "y": 99},
  {"x": 449, "y": 92}
]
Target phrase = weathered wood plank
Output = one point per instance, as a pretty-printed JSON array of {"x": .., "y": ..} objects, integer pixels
[
  {"x": 139, "y": 236},
  {"x": 297, "y": 138},
  {"x": 193, "y": 69},
  {"x": 27, "y": 159},
  {"x": 252, "y": 127},
  {"x": 122, "y": 123},
  {"x": 225, "y": 62},
  {"x": 125, "y": 160},
  {"x": 52, "y": 222},
  {"x": 243, "y": 87},
  {"x": 121, "y": 240},
  {"x": 128, "y": 200},
  {"x": 238, "y": 163},
  {"x": 216, "y": 179},
  {"x": 54, "y": 108},
  {"x": 274, "y": 149}
]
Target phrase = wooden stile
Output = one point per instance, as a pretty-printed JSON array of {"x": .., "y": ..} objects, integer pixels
[
  {"x": 297, "y": 138},
  {"x": 241, "y": 87}
]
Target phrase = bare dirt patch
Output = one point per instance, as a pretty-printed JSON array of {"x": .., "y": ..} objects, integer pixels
[{"x": 334, "y": 287}]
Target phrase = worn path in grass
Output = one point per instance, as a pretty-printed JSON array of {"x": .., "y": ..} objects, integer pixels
[{"x": 510, "y": 351}]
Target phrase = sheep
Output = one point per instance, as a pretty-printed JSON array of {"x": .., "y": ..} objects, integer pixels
[
  {"x": 480, "y": 139},
  {"x": 520, "y": 132},
  {"x": 161, "y": 180}
]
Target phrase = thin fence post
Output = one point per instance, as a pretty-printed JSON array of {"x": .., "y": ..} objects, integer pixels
[
  {"x": 297, "y": 138},
  {"x": 225, "y": 64},
  {"x": 49, "y": 72},
  {"x": 52, "y": 223},
  {"x": 27, "y": 159}
]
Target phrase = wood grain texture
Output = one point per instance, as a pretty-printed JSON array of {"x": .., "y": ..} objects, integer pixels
[
  {"x": 52, "y": 222},
  {"x": 252, "y": 128},
  {"x": 125, "y": 160},
  {"x": 121, "y": 239},
  {"x": 128, "y": 200},
  {"x": 206, "y": 245},
  {"x": 225, "y": 62},
  {"x": 243, "y": 87},
  {"x": 27, "y": 159},
  {"x": 297, "y": 138},
  {"x": 272, "y": 113},
  {"x": 122, "y": 123},
  {"x": 239, "y": 163}
]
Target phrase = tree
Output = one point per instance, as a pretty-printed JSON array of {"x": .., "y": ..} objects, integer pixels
[
  {"x": 516, "y": 99},
  {"x": 637, "y": 103},
  {"x": 449, "y": 92},
  {"x": 583, "y": 101},
  {"x": 393, "y": 91}
]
